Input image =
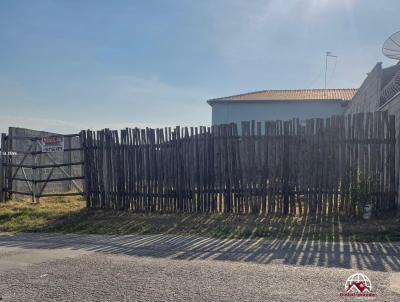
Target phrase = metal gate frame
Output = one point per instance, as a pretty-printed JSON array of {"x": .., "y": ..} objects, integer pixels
[{"x": 7, "y": 175}]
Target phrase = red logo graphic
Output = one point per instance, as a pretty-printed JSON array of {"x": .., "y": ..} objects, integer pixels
[{"x": 359, "y": 286}]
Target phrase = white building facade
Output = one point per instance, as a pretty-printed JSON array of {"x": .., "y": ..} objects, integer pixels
[{"x": 280, "y": 105}]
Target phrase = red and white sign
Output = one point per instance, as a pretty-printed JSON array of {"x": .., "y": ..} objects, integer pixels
[{"x": 52, "y": 144}]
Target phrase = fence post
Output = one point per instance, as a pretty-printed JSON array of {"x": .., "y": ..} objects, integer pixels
[
  {"x": 3, "y": 138},
  {"x": 82, "y": 159},
  {"x": 286, "y": 167},
  {"x": 9, "y": 170},
  {"x": 34, "y": 172},
  {"x": 397, "y": 162}
]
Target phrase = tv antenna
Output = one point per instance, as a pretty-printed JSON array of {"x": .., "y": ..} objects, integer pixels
[
  {"x": 328, "y": 54},
  {"x": 391, "y": 47}
]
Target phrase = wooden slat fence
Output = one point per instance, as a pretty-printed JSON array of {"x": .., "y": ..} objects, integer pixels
[{"x": 317, "y": 168}]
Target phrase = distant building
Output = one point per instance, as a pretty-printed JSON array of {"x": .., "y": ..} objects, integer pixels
[{"x": 280, "y": 105}]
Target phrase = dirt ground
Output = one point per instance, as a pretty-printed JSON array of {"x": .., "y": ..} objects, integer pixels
[{"x": 69, "y": 215}]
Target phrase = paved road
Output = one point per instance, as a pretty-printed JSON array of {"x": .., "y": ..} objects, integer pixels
[{"x": 51, "y": 267}]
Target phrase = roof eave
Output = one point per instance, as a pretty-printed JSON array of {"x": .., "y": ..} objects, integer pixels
[{"x": 221, "y": 101}]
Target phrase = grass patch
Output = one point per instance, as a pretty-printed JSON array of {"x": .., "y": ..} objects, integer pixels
[
  {"x": 23, "y": 215},
  {"x": 69, "y": 215}
]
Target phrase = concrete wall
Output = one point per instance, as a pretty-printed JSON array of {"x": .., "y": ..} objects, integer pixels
[
  {"x": 236, "y": 112},
  {"x": 367, "y": 96}
]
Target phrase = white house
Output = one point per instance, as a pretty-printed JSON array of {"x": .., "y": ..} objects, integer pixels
[{"x": 280, "y": 105}]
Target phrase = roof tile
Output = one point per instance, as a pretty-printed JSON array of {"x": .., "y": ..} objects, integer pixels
[{"x": 292, "y": 95}]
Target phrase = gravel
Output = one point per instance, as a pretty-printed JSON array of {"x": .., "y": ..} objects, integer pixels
[{"x": 100, "y": 276}]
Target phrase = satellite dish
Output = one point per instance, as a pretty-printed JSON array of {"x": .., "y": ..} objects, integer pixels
[{"x": 391, "y": 47}]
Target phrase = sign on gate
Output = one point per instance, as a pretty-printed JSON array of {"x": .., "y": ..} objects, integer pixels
[{"x": 52, "y": 144}]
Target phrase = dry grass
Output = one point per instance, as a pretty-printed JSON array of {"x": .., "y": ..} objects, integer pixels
[
  {"x": 69, "y": 215},
  {"x": 23, "y": 215}
]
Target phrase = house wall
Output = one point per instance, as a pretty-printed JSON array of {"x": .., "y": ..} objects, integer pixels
[
  {"x": 390, "y": 83},
  {"x": 367, "y": 96},
  {"x": 393, "y": 107},
  {"x": 229, "y": 112}
]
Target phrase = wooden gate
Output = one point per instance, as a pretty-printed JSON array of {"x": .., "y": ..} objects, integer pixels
[{"x": 27, "y": 168}]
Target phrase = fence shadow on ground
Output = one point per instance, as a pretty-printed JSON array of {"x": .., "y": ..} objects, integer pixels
[{"x": 314, "y": 247}]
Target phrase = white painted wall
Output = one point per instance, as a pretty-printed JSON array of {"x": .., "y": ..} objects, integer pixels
[{"x": 236, "y": 112}]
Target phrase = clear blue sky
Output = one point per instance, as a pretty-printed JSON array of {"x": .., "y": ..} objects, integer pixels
[{"x": 69, "y": 65}]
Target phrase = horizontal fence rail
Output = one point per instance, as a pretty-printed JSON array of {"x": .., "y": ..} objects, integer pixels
[
  {"x": 319, "y": 168},
  {"x": 28, "y": 171}
]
